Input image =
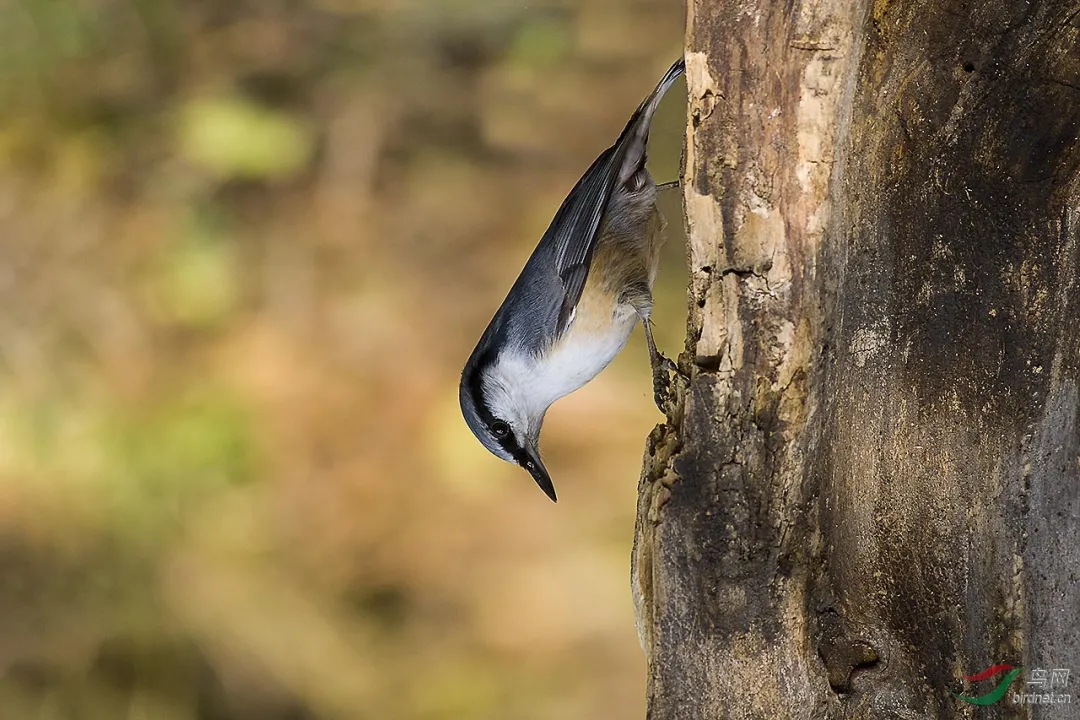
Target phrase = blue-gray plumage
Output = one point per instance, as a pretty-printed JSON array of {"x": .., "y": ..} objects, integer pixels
[{"x": 576, "y": 301}]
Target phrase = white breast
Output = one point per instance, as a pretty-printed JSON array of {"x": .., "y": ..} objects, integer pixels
[
  {"x": 580, "y": 357},
  {"x": 537, "y": 382}
]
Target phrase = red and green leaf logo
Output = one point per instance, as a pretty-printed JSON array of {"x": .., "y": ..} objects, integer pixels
[{"x": 998, "y": 692}]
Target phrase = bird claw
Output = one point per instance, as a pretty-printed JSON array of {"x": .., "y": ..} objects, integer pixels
[{"x": 662, "y": 392}]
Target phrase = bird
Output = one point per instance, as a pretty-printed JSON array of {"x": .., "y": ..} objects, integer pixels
[{"x": 575, "y": 303}]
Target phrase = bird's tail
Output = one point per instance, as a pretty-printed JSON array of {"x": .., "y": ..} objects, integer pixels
[{"x": 635, "y": 136}]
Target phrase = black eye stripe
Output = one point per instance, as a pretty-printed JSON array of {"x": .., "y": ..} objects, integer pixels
[
  {"x": 499, "y": 429},
  {"x": 476, "y": 391},
  {"x": 476, "y": 388}
]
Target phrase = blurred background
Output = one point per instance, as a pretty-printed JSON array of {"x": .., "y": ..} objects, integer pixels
[{"x": 245, "y": 249}]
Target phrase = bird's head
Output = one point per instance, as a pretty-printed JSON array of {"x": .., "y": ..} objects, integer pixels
[{"x": 501, "y": 416}]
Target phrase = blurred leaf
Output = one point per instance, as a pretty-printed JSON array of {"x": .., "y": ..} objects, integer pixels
[
  {"x": 236, "y": 138},
  {"x": 199, "y": 279},
  {"x": 142, "y": 469},
  {"x": 34, "y": 429},
  {"x": 457, "y": 690},
  {"x": 161, "y": 463},
  {"x": 61, "y": 28},
  {"x": 80, "y": 161},
  {"x": 541, "y": 43},
  {"x": 194, "y": 441}
]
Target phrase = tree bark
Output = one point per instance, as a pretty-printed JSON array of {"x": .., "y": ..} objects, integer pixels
[{"x": 869, "y": 484}]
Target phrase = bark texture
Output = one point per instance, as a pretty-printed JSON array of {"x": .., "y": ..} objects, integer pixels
[{"x": 869, "y": 486}]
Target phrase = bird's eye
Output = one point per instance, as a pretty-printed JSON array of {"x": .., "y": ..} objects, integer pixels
[{"x": 500, "y": 429}]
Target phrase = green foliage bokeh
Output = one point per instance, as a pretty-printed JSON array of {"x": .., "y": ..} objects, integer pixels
[{"x": 246, "y": 248}]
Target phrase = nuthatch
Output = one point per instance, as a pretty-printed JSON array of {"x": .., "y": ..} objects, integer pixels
[{"x": 575, "y": 303}]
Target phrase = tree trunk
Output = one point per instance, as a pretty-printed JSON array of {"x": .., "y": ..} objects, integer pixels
[{"x": 869, "y": 486}]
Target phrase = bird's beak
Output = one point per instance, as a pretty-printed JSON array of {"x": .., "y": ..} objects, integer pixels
[{"x": 539, "y": 473}]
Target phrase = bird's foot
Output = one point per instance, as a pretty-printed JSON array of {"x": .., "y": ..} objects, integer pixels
[{"x": 662, "y": 390}]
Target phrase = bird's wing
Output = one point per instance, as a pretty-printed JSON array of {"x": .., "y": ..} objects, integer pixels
[{"x": 574, "y": 231}]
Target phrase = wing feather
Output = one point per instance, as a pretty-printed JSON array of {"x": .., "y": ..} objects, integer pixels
[{"x": 574, "y": 230}]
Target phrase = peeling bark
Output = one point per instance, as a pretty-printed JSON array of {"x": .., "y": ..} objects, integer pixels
[{"x": 869, "y": 485}]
